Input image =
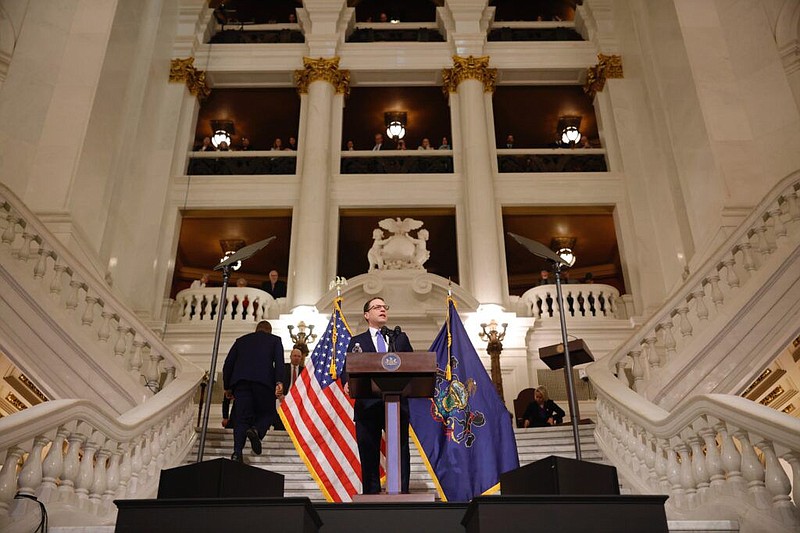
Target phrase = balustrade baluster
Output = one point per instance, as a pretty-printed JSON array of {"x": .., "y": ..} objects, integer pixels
[
  {"x": 156, "y": 452},
  {"x": 30, "y": 477},
  {"x": 747, "y": 256},
  {"x": 778, "y": 227},
  {"x": 684, "y": 324},
  {"x": 57, "y": 283},
  {"x": 760, "y": 232},
  {"x": 674, "y": 477},
  {"x": 700, "y": 305},
  {"x": 10, "y": 233},
  {"x": 793, "y": 458},
  {"x": 752, "y": 471},
  {"x": 147, "y": 456},
  {"x": 86, "y": 473},
  {"x": 169, "y": 375},
  {"x": 112, "y": 478},
  {"x": 777, "y": 482},
  {"x": 153, "y": 374},
  {"x": 66, "y": 490},
  {"x": 87, "y": 319},
  {"x": 72, "y": 299},
  {"x": 52, "y": 467},
  {"x": 699, "y": 468},
  {"x": 686, "y": 474},
  {"x": 41, "y": 264},
  {"x": 24, "y": 252},
  {"x": 669, "y": 341},
  {"x": 125, "y": 472},
  {"x": 8, "y": 479},
  {"x": 663, "y": 484},
  {"x": 792, "y": 205},
  {"x": 638, "y": 370},
  {"x": 649, "y": 347},
  {"x": 104, "y": 332},
  {"x": 716, "y": 292},
  {"x": 621, "y": 375},
  {"x": 731, "y": 278},
  {"x": 121, "y": 346},
  {"x": 731, "y": 461},
  {"x": 136, "y": 360},
  {"x": 136, "y": 469},
  {"x": 716, "y": 473},
  {"x": 100, "y": 478}
]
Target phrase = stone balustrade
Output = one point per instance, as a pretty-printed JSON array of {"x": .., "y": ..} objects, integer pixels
[
  {"x": 243, "y": 304},
  {"x": 593, "y": 300},
  {"x": 551, "y": 160},
  {"x": 763, "y": 243},
  {"x": 717, "y": 453},
  {"x": 397, "y": 162},
  {"x": 39, "y": 260},
  {"x": 242, "y": 163}
]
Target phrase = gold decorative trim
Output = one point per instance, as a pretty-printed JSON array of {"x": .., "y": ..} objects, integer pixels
[
  {"x": 183, "y": 71},
  {"x": 789, "y": 409},
  {"x": 757, "y": 382},
  {"x": 33, "y": 388},
  {"x": 16, "y": 402},
  {"x": 769, "y": 398},
  {"x": 608, "y": 67},
  {"x": 469, "y": 68},
  {"x": 322, "y": 70}
]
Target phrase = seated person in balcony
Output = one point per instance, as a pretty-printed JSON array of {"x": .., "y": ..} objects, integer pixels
[
  {"x": 241, "y": 282},
  {"x": 292, "y": 144},
  {"x": 588, "y": 278},
  {"x": 206, "y": 146},
  {"x": 542, "y": 412},
  {"x": 509, "y": 141},
  {"x": 383, "y": 17},
  {"x": 200, "y": 283},
  {"x": 401, "y": 145},
  {"x": 277, "y": 145},
  {"x": 223, "y": 147},
  {"x": 378, "y": 143},
  {"x": 245, "y": 144},
  {"x": 445, "y": 144},
  {"x": 351, "y": 146},
  {"x": 292, "y": 18},
  {"x": 275, "y": 287},
  {"x": 426, "y": 144}
]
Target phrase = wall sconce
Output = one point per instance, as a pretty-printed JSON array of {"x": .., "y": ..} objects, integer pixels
[
  {"x": 569, "y": 130},
  {"x": 230, "y": 247},
  {"x": 302, "y": 337},
  {"x": 395, "y": 124},
  {"x": 223, "y": 129},
  {"x": 564, "y": 246}
]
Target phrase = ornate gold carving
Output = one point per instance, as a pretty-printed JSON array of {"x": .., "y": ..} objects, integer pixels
[
  {"x": 757, "y": 382},
  {"x": 16, "y": 402},
  {"x": 469, "y": 68},
  {"x": 183, "y": 71},
  {"x": 789, "y": 409},
  {"x": 769, "y": 398},
  {"x": 322, "y": 70},
  {"x": 34, "y": 389},
  {"x": 608, "y": 67}
]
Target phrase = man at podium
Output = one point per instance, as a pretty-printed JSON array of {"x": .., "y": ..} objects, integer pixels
[{"x": 369, "y": 415}]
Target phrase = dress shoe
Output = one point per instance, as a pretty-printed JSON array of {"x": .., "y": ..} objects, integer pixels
[
  {"x": 237, "y": 457},
  {"x": 255, "y": 442}
]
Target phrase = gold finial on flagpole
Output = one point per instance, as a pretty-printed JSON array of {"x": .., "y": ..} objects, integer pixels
[
  {"x": 449, "y": 288},
  {"x": 338, "y": 282}
]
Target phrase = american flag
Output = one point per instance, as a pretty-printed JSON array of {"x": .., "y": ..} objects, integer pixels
[{"x": 319, "y": 416}]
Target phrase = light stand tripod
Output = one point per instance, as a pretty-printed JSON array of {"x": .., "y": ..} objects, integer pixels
[
  {"x": 540, "y": 250},
  {"x": 226, "y": 266}
]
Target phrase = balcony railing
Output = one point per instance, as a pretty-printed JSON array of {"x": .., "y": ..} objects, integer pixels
[
  {"x": 242, "y": 163},
  {"x": 552, "y": 160},
  {"x": 397, "y": 162},
  {"x": 593, "y": 300},
  {"x": 243, "y": 304},
  {"x": 423, "y": 32},
  {"x": 259, "y": 34},
  {"x": 534, "y": 31}
]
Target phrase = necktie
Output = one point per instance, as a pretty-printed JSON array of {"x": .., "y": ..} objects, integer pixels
[
  {"x": 380, "y": 343},
  {"x": 294, "y": 374}
]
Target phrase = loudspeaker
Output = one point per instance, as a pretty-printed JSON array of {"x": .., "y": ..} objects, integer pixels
[
  {"x": 219, "y": 478},
  {"x": 560, "y": 475}
]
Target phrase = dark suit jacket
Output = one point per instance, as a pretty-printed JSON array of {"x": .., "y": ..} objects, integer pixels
[
  {"x": 401, "y": 344},
  {"x": 255, "y": 357},
  {"x": 538, "y": 416},
  {"x": 287, "y": 376},
  {"x": 278, "y": 291}
]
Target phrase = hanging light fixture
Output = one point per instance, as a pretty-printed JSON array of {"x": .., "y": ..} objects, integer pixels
[
  {"x": 395, "y": 124},
  {"x": 230, "y": 247},
  {"x": 223, "y": 129},
  {"x": 569, "y": 130},
  {"x": 564, "y": 248}
]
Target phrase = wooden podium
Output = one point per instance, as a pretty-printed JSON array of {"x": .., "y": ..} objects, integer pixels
[{"x": 391, "y": 376}]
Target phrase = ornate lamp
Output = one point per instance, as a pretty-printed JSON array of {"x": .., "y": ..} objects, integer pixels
[
  {"x": 395, "y": 124},
  {"x": 568, "y": 130},
  {"x": 223, "y": 129},
  {"x": 302, "y": 337},
  {"x": 563, "y": 247},
  {"x": 494, "y": 347},
  {"x": 230, "y": 247}
]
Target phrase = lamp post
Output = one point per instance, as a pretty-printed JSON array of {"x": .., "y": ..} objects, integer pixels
[{"x": 494, "y": 347}]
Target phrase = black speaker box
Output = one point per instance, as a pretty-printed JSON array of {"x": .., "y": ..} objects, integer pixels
[
  {"x": 560, "y": 475},
  {"x": 219, "y": 478}
]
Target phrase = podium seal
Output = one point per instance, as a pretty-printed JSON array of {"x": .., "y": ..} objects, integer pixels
[{"x": 390, "y": 362}]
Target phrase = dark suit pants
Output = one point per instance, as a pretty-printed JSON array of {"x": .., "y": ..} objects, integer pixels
[
  {"x": 255, "y": 407},
  {"x": 369, "y": 423}
]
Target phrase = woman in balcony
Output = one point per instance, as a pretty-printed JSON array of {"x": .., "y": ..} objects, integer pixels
[{"x": 543, "y": 411}]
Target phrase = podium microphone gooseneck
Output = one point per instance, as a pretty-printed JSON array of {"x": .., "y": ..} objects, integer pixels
[{"x": 391, "y": 335}]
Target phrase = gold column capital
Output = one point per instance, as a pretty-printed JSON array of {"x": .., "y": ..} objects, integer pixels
[
  {"x": 469, "y": 68},
  {"x": 183, "y": 71},
  {"x": 607, "y": 67},
  {"x": 322, "y": 70}
]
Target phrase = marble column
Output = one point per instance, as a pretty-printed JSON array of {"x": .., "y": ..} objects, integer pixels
[
  {"x": 469, "y": 81},
  {"x": 319, "y": 83}
]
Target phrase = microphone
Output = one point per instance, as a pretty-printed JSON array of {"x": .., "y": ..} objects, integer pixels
[{"x": 386, "y": 332}]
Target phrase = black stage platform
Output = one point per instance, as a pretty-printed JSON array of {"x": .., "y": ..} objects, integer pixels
[{"x": 486, "y": 514}]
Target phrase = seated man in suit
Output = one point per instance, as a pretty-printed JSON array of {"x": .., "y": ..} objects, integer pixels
[
  {"x": 369, "y": 414},
  {"x": 291, "y": 373},
  {"x": 275, "y": 287},
  {"x": 253, "y": 376}
]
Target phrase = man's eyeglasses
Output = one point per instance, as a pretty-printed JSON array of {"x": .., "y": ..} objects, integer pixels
[{"x": 378, "y": 307}]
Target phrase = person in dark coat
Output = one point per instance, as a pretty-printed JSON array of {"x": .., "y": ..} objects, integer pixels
[
  {"x": 542, "y": 412},
  {"x": 369, "y": 415},
  {"x": 253, "y": 376},
  {"x": 275, "y": 287}
]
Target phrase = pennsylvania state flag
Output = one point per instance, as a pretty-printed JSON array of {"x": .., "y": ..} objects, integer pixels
[{"x": 464, "y": 432}]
